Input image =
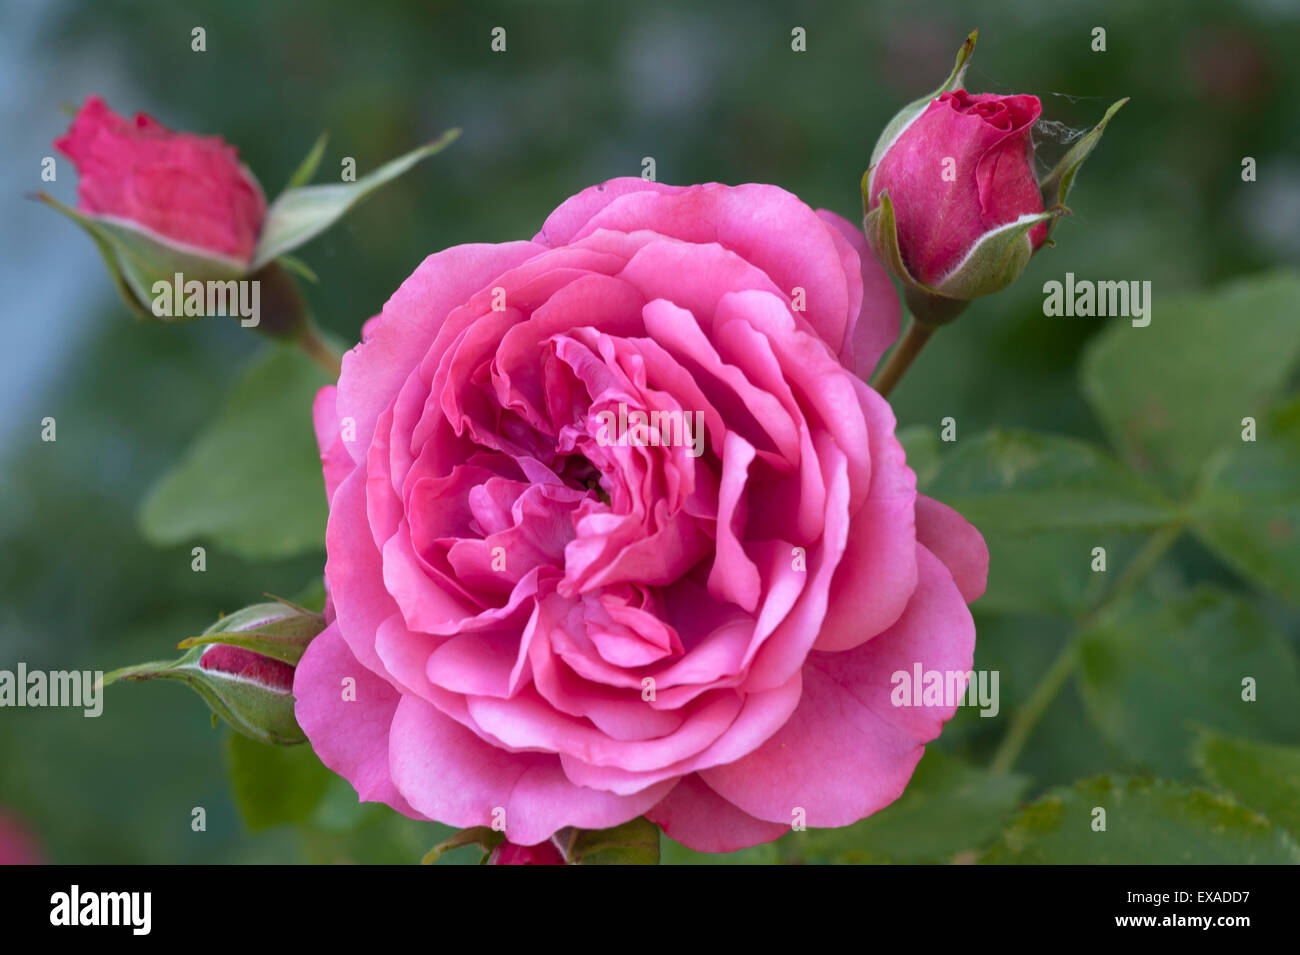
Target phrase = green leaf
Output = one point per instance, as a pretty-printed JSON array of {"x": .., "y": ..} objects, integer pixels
[
  {"x": 1260, "y": 775},
  {"x": 633, "y": 843},
  {"x": 1148, "y": 822},
  {"x": 310, "y": 163},
  {"x": 1022, "y": 482},
  {"x": 1051, "y": 572},
  {"x": 1248, "y": 507},
  {"x": 251, "y": 482},
  {"x": 949, "y": 807},
  {"x": 274, "y": 784},
  {"x": 1174, "y": 392},
  {"x": 300, "y": 214},
  {"x": 1149, "y": 678},
  {"x": 1058, "y": 182}
]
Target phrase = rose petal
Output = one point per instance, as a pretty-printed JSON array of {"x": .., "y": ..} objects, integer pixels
[
  {"x": 350, "y": 735},
  {"x": 846, "y": 719}
]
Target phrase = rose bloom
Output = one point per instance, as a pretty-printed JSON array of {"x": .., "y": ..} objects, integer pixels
[
  {"x": 185, "y": 189},
  {"x": 988, "y": 139},
  {"x": 527, "y": 616}
]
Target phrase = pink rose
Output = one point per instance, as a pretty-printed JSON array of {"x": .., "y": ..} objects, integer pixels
[
  {"x": 535, "y": 622},
  {"x": 961, "y": 169},
  {"x": 184, "y": 188}
]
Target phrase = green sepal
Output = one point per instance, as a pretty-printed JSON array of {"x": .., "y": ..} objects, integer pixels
[
  {"x": 483, "y": 836},
  {"x": 995, "y": 261},
  {"x": 137, "y": 259},
  {"x": 1057, "y": 185},
  {"x": 310, "y": 163},
  {"x": 300, "y": 213},
  {"x": 633, "y": 843},
  {"x": 278, "y": 630}
]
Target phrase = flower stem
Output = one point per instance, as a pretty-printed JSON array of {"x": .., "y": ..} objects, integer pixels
[
  {"x": 1027, "y": 717},
  {"x": 320, "y": 353},
  {"x": 909, "y": 346}
]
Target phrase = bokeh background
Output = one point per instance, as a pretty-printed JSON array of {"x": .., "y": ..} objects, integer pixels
[{"x": 584, "y": 91}]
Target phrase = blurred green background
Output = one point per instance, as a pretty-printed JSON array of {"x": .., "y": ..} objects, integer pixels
[{"x": 585, "y": 90}]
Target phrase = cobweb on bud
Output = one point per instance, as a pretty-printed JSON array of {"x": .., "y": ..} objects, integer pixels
[{"x": 1055, "y": 131}]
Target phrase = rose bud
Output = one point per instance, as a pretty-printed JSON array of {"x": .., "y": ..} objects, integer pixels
[
  {"x": 177, "y": 211},
  {"x": 243, "y": 667},
  {"x": 953, "y": 207},
  {"x": 508, "y": 853},
  {"x": 180, "y": 188}
]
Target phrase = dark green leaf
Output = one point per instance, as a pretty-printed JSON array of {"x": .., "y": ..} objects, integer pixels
[
  {"x": 274, "y": 784},
  {"x": 1172, "y": 393},
  {"x": 948, "y": 807},
  {"x": 1023, "y": 482},
  {"x": 1260, "y": 775},
  {"x": 1148, "y": 822},
  {"x": 1248, "y": 509},
  {"x": 251, "y": 483},
  {"x": 1149, "y": 678}
]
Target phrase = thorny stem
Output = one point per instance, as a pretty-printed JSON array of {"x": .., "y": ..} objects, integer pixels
[{"x": 1027, "y": 717}]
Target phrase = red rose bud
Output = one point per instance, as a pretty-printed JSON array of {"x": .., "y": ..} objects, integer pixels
[
  {"x": 953, "y": 207},
  {"x": 243, "y": 667},
  {"x": 185, "y": 229},
  {"x": 507, "y": 853},
  {"x": 179, "y": 187}
]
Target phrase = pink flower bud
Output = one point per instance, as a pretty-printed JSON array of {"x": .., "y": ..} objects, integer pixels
[
  {"x": 963, "y": 168},
  {"x": 247, "y": 665},
  {"x": 508, "y": 853},
  {"x": 953, "y": 207},
  {"x": 247, "y": 678},
  {"x": 178, "y": 186}
]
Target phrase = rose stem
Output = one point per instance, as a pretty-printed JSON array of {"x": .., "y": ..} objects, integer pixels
[
  {"x": 1027, "y": 717},
  {"x": 320, "y": 353},
  {"x": 909, "y": 346}
]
